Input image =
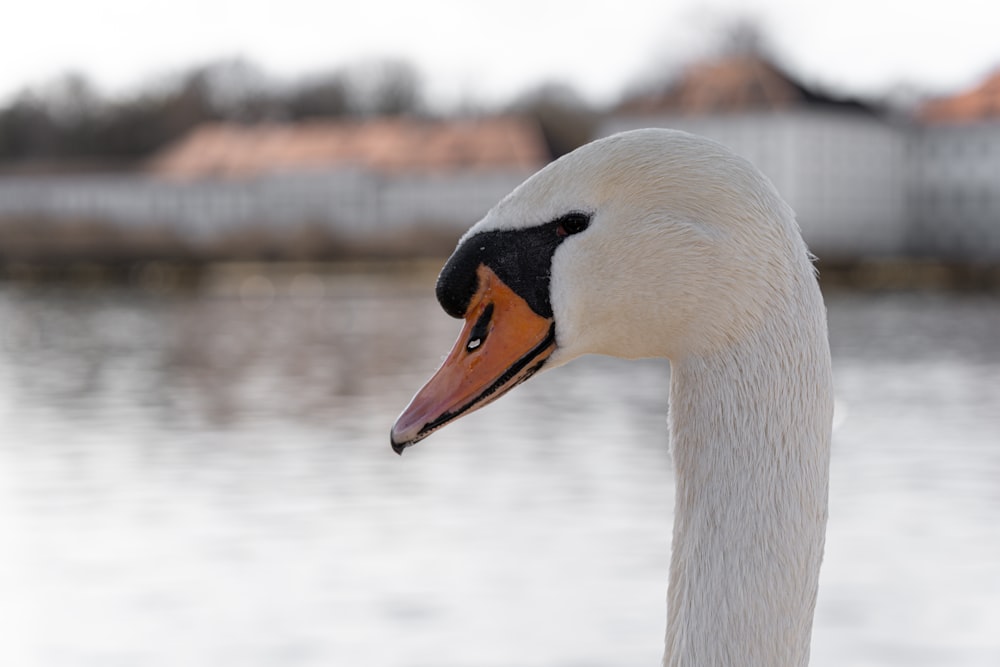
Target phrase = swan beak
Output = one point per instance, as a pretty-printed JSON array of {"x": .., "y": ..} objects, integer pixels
[{"x": 503, "y": 343}]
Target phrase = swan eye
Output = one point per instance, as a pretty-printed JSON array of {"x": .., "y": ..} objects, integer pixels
[
  {"x": 572, "y": 223},
  {"x": 480, "y": 329}
]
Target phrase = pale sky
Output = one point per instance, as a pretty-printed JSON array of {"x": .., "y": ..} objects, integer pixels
[{"x": 490, "y": 50}]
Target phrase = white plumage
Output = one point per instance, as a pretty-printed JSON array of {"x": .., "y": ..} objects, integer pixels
[{"x": 692, "y": 255}]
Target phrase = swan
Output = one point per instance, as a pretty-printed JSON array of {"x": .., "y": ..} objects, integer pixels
[{"x": 658, "y": 243}]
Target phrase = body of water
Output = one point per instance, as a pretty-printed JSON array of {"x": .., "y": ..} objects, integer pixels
[{"x": 205, "y": 479}]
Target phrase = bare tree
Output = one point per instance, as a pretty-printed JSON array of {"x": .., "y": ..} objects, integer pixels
[
  {"x": 383, "y": 87},
  {"x": 565, "y": 118},
  {"x": 66, "y": 118},
  {"x": 743, "y": 36},
  {"x": 237, "y": 89},
  {"x": 323, "y": 96}
]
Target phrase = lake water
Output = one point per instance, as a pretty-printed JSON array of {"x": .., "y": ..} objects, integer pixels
[{"x": 205, "y": 479}]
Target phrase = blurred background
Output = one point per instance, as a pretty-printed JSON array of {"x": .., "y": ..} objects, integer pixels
[{"x": 220, "y": 225}]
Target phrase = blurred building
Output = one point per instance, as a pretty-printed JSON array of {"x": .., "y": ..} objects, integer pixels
[
  {"x": 364, "y": 177},
  {"x": 840, "y": 163},
  {"x": 862, "y": 183},
  {"x": 955, "y": 178},
  {"x": 361, "y": 180}
]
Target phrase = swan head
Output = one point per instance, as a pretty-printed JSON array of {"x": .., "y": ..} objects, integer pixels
[{"x": 650, "y": 243}]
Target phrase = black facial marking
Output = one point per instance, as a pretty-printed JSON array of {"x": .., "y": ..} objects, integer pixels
[
  {"x": 481, "y": 328},
  {"x": 521, "y": 258}
]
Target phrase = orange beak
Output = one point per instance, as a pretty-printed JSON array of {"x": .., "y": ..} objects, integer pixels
[{"x": 503, "y": 343}]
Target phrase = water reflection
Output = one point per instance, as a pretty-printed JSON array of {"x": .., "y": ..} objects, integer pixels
[{"x": 205, "y": 479}]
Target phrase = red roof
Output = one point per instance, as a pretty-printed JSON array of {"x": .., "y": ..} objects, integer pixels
[
  {"x": 729, "y": 84},
  {"x": 230, "y": 150},
  {"x": 732, "y": 85},
  {"x": 980, "y": 103}
]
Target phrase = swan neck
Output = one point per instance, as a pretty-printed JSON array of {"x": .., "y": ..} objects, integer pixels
[{"x": 750, "y": 435}]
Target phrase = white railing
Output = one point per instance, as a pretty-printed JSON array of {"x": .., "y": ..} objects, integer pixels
[{"x": 352, "y": 203}]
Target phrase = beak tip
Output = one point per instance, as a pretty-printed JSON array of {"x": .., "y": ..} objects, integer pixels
[{"x": 401, "y": 437}]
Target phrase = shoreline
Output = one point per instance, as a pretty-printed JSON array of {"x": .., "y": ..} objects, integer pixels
[{"x": 158, "y": 274}]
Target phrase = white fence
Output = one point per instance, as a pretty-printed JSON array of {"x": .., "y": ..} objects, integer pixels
[
  {"x": 865, "y": 187},
  {"x": 843, "y": 175},
  {"x": 955, "y": 191},
  {"x": 353, "y": 203}
]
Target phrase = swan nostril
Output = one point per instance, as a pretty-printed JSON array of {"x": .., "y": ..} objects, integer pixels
[{"x": 480, "y": 330}]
